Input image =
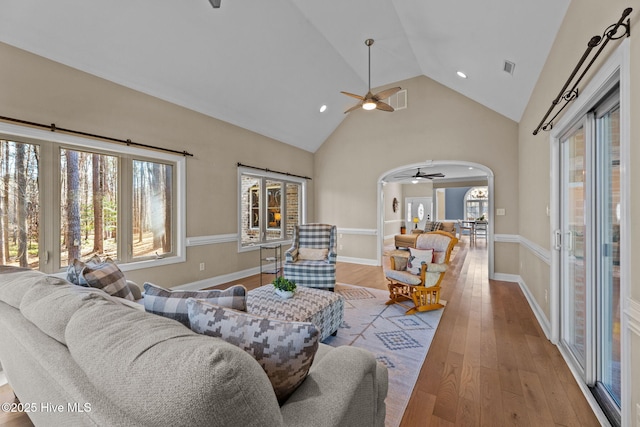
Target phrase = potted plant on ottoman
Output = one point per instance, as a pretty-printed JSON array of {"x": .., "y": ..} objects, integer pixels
[{"x": 284, "y": 287}]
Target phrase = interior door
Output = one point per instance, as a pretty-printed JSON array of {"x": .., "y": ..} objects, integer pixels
[{"x": 418, "y": 208}]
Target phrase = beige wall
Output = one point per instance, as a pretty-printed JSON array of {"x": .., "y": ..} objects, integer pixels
[
  {"x": 368, "y": 144},
  {"x": 584, "y": 19},
  {"x": 393, "y": 220},
  {"x": 39, "y": 90}
]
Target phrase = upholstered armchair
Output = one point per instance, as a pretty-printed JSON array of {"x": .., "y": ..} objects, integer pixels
[
  {"x": 311, "y": 260},
  {"x": 417, "y": 278}
]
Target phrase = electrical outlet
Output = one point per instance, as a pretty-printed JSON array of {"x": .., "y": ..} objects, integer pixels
[
  {"x": 340, "y": 247},
  {"x": 546, "y": 296},
  {"x": 202, "y": 266},
  {"x": 501, "y": 211}
]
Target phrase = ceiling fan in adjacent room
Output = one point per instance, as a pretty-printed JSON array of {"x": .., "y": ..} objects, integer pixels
[
  {"x": 422, "y": 175},
  {"x": 371, "y": 101}
]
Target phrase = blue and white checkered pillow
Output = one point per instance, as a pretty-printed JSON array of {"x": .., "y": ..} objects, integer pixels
[{"x": 173, "y": 304}]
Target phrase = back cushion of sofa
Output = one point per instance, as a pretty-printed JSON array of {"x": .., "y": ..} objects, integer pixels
[
  {"x": 50, "y": 302},
  {"x": 15, "y": 282},
  {"x": 158, "y": 372}
]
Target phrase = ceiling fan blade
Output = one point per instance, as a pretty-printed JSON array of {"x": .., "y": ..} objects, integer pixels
[
  {"x": 386, "y": 93},
  {"x": 353, "y": 95},
  {"x": 355, "y": 107},
  {"x": 384, "y": 107}
]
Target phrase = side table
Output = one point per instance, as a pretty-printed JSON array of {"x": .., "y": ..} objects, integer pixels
[{"x": 270, "y": 254}]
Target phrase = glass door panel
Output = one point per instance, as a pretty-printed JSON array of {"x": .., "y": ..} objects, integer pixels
[
  {"x": 574, "y": 262},
  {"x": 609, "y": 260}
]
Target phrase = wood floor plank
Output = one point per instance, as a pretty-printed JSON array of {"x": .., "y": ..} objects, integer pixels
[
  {"x": 515, "y": 410},
  {"x": 491, "y": 409},
  {"x": 535, "y": 398},
  {"x": 446, "y": 406}
]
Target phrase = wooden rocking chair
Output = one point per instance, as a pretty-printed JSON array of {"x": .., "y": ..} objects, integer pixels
[{"x": 422, "y": 289}]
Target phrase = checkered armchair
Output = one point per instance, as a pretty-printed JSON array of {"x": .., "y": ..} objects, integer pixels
[{"x": 311, "y": 260}]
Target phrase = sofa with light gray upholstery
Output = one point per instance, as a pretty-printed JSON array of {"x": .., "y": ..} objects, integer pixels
[{"x": 77, "y": 356}]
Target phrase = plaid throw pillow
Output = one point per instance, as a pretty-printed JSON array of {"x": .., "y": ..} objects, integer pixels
[
  {"x": 74, "y": 270},
  {"x": 173, "y": 304},
  {"x": 284, "y": 349},
  {"x": 108, "y": 277}
]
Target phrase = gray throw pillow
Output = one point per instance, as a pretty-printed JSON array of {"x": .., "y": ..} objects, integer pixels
[
  {"x": 284, "y": 349},
  {"x": 173, "y": 304}
]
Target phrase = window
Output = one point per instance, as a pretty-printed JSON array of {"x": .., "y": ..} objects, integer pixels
[
  {"x": 75, "y": 198},
  {"x": 19, "y": 204},
  {"x": 270, "y": 207},
  {"x": 477, "y": 203}
]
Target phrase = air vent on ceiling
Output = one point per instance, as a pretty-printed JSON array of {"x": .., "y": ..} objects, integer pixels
[
  {"x": 399, "y": 100},
  {"x": 508, "y": 67}
]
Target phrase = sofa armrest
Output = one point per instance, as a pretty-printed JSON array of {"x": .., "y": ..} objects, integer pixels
[{"x": 346, "y": 388}]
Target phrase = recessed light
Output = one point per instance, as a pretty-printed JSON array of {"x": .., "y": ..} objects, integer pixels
[
  {"x": 461, "y": 75},
  {"x": 470, "y": 167},
  {"x": 323, "y": 108}
]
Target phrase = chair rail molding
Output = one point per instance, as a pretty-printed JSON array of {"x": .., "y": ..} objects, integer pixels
[{"x": 212, "y": 240}]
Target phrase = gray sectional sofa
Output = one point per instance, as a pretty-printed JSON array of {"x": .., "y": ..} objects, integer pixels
[{"x": 77, "y": 356}]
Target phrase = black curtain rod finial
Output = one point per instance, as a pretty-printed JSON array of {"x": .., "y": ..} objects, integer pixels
[{"x": 569, "y": 95}]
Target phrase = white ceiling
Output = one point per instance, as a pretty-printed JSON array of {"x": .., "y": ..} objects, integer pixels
[{"x": 268, "y": 65}]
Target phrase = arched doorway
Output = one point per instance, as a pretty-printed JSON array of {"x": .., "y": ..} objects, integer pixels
[{"x": 452, "y": 171}]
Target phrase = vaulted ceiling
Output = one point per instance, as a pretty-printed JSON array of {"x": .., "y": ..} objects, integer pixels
[{"x": 268, "y": 65}]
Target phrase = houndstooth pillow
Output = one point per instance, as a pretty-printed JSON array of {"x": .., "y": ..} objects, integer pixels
[
  {"x": 108, "y": 277},
  {"x": 284, "y": 349},
  {"x": 173, "y": 304}
]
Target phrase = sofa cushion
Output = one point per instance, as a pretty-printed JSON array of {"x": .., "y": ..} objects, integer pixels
[
  {"x": 51, "y": 301},
  {"x": 284, "y": 349},
  {"x": 159, "y": 373},
  {"x": 173, "y": 304},
  {"x": 108, "y": 277},
  {"x": 418, "y": 257},
  {"x": 15, "y": 282}
]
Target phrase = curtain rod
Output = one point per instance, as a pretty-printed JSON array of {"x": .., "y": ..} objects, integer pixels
[
  {"x": 269, "y": 170},
  {"x": 128, "y": 142},
  {"x": 569, "y": 95}
]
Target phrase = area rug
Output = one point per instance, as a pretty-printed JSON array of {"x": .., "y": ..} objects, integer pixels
[{"x": 399, "y": 341}]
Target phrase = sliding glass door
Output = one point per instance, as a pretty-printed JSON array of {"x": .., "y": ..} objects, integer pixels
[{"x": 590, "y": 250}]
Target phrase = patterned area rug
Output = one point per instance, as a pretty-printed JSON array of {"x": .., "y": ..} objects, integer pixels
[{"x": 400, "y": 342}]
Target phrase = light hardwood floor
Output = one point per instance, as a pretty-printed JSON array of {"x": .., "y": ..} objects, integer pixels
[{"x": 489, "y": 363}]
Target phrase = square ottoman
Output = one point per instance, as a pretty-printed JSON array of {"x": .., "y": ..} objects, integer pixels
[{"x": 323, "y": 308}]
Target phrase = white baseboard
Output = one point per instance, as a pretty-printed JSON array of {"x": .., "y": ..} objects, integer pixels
[
  {"x": 504, "y": 277},
  {"x": 219, "y": 280},
  {"x": 544, "y": 323},
  {"x": 363, "y": 261}
]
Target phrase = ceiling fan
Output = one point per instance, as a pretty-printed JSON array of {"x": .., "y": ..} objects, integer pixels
[
  {"x": 422, "y": 175},
  {"x": 371, "y": 101}
]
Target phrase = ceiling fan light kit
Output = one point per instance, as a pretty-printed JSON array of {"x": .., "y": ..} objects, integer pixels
[{"x": 370, "y": 101}]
